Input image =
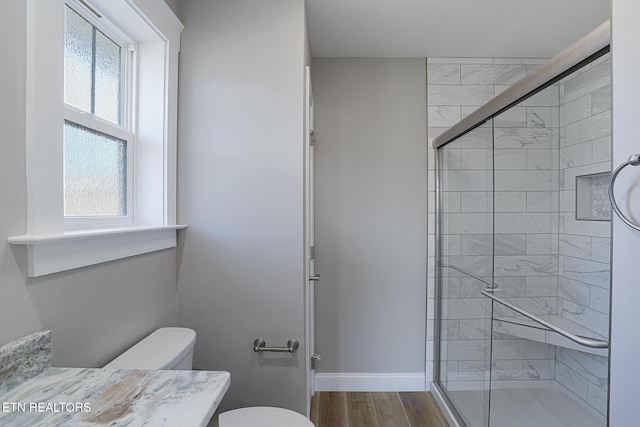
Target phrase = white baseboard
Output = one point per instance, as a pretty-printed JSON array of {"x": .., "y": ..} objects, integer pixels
[{"x": 371, "y": 382}]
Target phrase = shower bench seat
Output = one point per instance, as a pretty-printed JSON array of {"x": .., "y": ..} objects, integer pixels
[{"x": 521, "y": 327}]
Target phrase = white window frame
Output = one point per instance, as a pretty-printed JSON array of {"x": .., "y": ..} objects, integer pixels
[
  {"x": 51, "y": 246},
  {"x": 89, "y": 121},
  {"x": 122, "y": 131}
]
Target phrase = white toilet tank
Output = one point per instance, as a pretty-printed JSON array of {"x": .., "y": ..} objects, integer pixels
[{"x": 165, "y": 348}]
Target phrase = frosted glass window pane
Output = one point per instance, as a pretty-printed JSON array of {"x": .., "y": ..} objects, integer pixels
[
  {"x": 95, "y": 173},
  {"x": 78, "y": 57},
  {"x": 92, "y": 65},
  {"x": 107, "y": 83}
]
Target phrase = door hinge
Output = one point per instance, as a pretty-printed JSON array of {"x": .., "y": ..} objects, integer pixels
[
  {"x": 314, "y": 359},
  {"x": 313, "y": 133},
  {"x": 312, "y": 252}
]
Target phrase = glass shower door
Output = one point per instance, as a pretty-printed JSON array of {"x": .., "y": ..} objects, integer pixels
[
  {"x": 526, "y": 161},
  {"x": 465, "y": 246},
  {"x": 523, "y": 253},
  {"x": 551, "y": 257}
]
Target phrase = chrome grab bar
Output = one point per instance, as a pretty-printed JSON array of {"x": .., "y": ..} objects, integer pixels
[
  {"x": 634, "y": 160},
  {"x": 587, "y": 342},
  {"x": 260, "y": 345},
  {"x": 485, "y": 281}
]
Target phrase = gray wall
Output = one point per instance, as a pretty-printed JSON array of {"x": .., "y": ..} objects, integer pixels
[
  {"x": 240, "y": 190},
  {"x": 371, "y": 214},
  {"x": 173, "y": 4},
  {"x": 94, "y": 312}
]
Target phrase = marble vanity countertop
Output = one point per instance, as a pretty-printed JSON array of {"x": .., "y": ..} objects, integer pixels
[{"x": 105, "y": 397}]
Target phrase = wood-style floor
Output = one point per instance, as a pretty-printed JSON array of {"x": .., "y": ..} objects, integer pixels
[{"x": 339, "y": 409}]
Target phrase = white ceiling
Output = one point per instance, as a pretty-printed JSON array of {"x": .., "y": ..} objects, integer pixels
[{"x": 453, "y": 28}]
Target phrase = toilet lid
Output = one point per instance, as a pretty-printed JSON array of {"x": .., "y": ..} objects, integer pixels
[{"x": 263, "y": 416}]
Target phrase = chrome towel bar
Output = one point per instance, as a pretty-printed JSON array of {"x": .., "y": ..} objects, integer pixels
[
  {"x": 587, "y": 342},
  {"x": 634, "y": 160},
  {"x": 261, "y": 345}
]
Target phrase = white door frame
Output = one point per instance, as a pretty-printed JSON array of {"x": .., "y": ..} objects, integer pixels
[{"x": 309, "y": 238}]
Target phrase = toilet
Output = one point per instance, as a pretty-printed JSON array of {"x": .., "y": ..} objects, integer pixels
[
  {"x": 163, "y": 349},
  {"x": 263, "y": 416},
  {"x": 172, "y": 349}
]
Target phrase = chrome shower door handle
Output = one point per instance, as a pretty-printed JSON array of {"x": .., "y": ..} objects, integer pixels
[{"x": 314, "y": 278}]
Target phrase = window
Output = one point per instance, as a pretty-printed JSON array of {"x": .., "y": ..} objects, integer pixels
[
  {"x": 101, "y": 134},
  {"x": 97, "y": 140}
]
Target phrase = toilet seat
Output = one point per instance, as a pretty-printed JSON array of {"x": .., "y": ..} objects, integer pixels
[{"x": 263, "y": 416}]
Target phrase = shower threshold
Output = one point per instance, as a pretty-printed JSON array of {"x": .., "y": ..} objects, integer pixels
[{"x": 551, "y": 406}]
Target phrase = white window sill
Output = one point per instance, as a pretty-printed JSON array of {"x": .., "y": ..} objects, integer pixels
[{"x": 53, "y": 253}]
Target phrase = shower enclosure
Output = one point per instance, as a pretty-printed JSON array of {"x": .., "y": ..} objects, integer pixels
[{"x": 523, "y": 258}]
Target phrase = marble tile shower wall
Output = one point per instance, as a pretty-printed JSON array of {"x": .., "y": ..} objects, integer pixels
[
  {"x": 526, "y": 141},
  {"x": 584, "y": 245},
  {"x": 466, "y": 236},
  {"x": 526, "y": 231},
  {"x": 526, "y": 181}
]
